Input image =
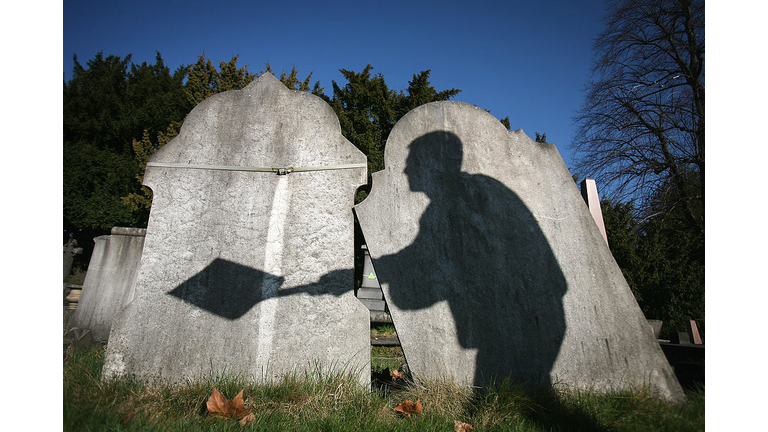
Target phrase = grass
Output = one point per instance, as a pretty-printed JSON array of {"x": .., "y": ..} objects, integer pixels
[
  {"x": 383, "y": 358},
  {"x": 337, "y": 403}
]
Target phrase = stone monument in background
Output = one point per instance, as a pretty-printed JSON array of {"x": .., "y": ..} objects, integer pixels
[
  {"x": 492, "y": 265},
  {"x": 248, "y": 258},
  {"x": 109, "y": 282}
]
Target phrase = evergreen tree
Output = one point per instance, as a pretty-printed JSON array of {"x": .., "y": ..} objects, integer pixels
[
  {"x": 204, "y": 80},
  {"x": 368, "y": 109},
  {"x": 106, "y": 106},
  {"x": 661, "y": 261}
]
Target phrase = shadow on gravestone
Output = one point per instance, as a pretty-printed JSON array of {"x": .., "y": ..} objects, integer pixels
[
  {"x": 475, "y": 235},
  {"x": 227, "y": 289},
  {"x": 230, "y": 290}
]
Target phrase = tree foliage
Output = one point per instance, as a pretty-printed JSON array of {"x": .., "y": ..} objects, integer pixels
[
  {"x": 368, "y": 109},
  {"x": 661, "y": 261},
  {"x": 106, "y": 106},
  {"x": 141, "y": 200},
  {"x": 292, "y": 81},
  {"x": 204, "y": 81},
  {"x": 641, "y": 128}
]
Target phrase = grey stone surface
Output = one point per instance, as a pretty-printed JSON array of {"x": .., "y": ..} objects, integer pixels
[
  {"x": 109, "y": 282},
  {"x": 492, "y": 266},
  {"x": 246, "y": 272}
]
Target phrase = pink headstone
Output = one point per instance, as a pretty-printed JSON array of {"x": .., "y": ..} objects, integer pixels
[{"x": 589, "y": 192}]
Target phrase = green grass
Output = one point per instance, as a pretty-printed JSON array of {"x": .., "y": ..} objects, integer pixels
[
  {"x": 321, "y": 402},
  {"x": 385, "y": 359}
]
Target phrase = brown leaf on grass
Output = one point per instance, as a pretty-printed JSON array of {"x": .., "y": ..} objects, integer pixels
[
  {"x": 218, "y": 405},
  {"x": 246, "y": 419},
  {"x": 408, "y": 407},
  {"x": 462, "y": 427},
  {"x": 238, "y": 405},
  {"x": 396, "y": 374}
]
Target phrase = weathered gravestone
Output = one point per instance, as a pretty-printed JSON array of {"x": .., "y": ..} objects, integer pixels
[
  {"x": 492, "y": 266},
  {"x": 245, "y": 271},
  {"x": 109, "y": 282}
]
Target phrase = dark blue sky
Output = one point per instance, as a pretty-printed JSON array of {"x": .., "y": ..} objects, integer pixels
[{"x": 528, "y": 60}]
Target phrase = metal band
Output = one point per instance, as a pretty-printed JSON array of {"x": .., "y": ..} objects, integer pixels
[{"x": 279, "y": 171}]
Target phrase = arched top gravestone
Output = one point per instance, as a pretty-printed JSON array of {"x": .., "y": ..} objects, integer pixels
[
  {"x": 229, "y": 238},
  {"x": 492, "y": 266}
]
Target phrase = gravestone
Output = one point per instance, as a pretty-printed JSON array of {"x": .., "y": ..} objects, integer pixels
[
  {"x": 248, "y": 258},
  {"x": 693, "y": 332},
  {"x": 492, "y": 266},
  {"x": 592, "y": 199},
  {"x": 109, "y": 282}
]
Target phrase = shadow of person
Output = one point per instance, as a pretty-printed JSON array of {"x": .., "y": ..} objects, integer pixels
[{"x": 479, "y": 249}]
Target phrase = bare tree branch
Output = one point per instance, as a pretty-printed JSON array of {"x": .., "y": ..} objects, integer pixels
[{"x": 640, "y": 131}]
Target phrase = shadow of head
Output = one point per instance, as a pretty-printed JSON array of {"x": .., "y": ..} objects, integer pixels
[
  {"x": 433, "y": 158},
  {"x": 227, "y": 289}
]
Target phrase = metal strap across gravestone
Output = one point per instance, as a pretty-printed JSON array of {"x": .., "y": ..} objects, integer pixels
[{"x": 278, "y": 171}]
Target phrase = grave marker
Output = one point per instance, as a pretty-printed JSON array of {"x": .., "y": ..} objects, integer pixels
[
  {"x": 248, "y": 257},
  {"x": 493, "y": 267},
  {"x": 108, "y": 285}
]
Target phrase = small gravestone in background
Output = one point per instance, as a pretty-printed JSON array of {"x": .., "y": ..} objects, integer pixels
[
  {"x": 493, "y": 267},
  {"x": 591, "y": 197},
  {"x": 244, "y": 271},
  {"x": 108, "y": 285}
]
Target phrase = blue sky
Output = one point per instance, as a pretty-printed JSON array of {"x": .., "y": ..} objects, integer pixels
[{"x": 528, "y": 60}]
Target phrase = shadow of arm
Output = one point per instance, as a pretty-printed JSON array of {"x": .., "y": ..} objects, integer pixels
[{"x": 334, "y": 283}]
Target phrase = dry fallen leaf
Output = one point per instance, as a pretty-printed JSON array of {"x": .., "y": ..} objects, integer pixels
[
  {"x": 396, "y": 375},
  {"x": 218, "y": 405},
  {"x": 246, "y": 419},
  {"x": 238, "y": 405},
  {"x": 462, "y": 427},
  {"x": 408, "y": 407}
]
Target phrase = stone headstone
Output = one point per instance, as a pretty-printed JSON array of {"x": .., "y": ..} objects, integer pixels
[
  {"x": 656, "y": 327},
  {"x": 492, "y": 266},
  {"x": 110, "y": 279},
  {"x": 693, "y": 332},
  {"x": 681, "y": 338},
  {"x": 244, "y": 271},
  {"x": 591, "y": 197}
]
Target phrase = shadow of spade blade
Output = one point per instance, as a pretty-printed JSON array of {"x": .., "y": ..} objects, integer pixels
[{"x": 227, "y": 289}]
